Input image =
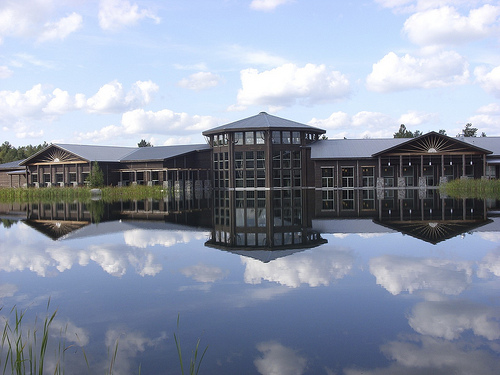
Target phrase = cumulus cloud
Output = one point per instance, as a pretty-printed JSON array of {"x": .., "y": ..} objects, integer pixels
[
  {"x": 251, "y": 56},
  {"x": 130, "y": 344},
  {"x": 164, "y": 122},
  {"x": 279, "y": 359},
  {"x": 143, "y": 238},
  {"x": 490, "y": 264},
  {"x": 366, "y": 124},
  {"x": 48, "y": 259},
  {"x": 445, "y": 25},
  {"x": 200, "y": 81},
  {"x": 7, "y": 290},
  {"x": 204, "y": 273},
  {"x": 112, "y": 98},
  {"x": 449, "y": 319},
  {"x": 315, "y": 268},
  {"x": 489, "y": 80},
  {"x": 116, "y": 14},
  {"x": 429, "y": 355},
  {"x": 289, "y": 84},
  {"x": 35, "y": 103},
  {"x": 394, "y": 73},
  {"x": 69, "y": 331},
  {"x": 267, "y": 5},
  {"x": 414, "y": 118},
  {"x": 35, "y": 19},
  {"x": 399, "y": 273}
]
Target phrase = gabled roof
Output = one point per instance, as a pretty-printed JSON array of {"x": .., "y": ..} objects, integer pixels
[
  {"x": 439, "y": 143},
  {"x": 163, "y": 152},
  {"x": 88, "y": 152},
  {"x": 488, "y": 143},
  {"x": 260, "y": 122}
]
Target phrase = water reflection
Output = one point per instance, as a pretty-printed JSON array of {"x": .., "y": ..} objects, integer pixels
[{"x": 396, "y": 287}]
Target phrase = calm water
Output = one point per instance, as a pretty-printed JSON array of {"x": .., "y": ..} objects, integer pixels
[{"x": 368, "y": 300}]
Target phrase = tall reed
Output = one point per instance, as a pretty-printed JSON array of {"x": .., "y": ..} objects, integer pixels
[{"x": 470, "y": 188}]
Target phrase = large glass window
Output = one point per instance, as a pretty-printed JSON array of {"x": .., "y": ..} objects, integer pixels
[
  {"x": 249, "y": 138},
  {"x": 260, "y": 138},
  {"x": 276, "y": 137},
  {"x": 368, "y": 176},
  {"x": 347, "y": 199},
  {"x": 238, "y": 138},
  {"x": 327, "y": 200},
  {"x": 296, "y": 138},
  {"x": 327, "y": 177},
  {"x": 347, "y": 176},
  {"x": 286, "y": 137}
]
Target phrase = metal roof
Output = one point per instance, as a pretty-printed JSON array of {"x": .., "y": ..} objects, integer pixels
[
  {"x": 262, "y": 121},
  {"x": 163, "y": 152},
  {"x": 351, "y": 148},
  {"x": 12, "y": 165},
  {"x": 488, "y": 143}
]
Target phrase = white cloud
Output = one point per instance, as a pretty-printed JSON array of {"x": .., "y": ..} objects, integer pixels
[
  {"x": 116, "y": 14},
  {"x": 393, "y": 73},
  {"x": 252, "y": 57},
  {"x": 490, "y": 264},
  {"x": 489, "y": 80},
  {"x": 449, "y": 319},
  {"x": 5, "y": 72},
  {"x": 279, "y": 359},
  {"x": 164, "y": 122},
  {"x": 414, "y": 118},
  {"x": 34, "y": 19},
  {"x": 7, "y": 290},
  {"x": 200, "y": 81},
  {"x": 445, "y": 25},
  {"x": 143, "y": 238},
  {"x": 398, "y": 274},
  {"x": 112, "y": 98},
  {"x": 69, "y": 331},
  {"x": 428, "y": 355},
  {"x": 62, "y": 28},
  {"x": 315, "y": 268},
  {"x": 267, "y": 5},
  {"x": 373, "y": 125},
  {"x": 289, "y": 84},
  {"x": 204, "y": 273}
]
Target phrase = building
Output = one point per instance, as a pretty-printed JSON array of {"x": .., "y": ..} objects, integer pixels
[{"x": 264, "y": 152}]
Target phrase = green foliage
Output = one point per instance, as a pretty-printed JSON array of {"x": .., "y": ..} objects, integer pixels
[
  {"x": 96, "y": 176},
  {"x": 405, "y": 133},
  {"x": 470, "y": 188},
  {"x": 194, "y": 363},
  {"x": 144, "y": 143},
  {"x": 469, "y": 131},
  {"x": 10, "y": 153}
]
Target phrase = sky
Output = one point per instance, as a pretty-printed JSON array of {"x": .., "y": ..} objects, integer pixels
[{"x": 113, "y": 72}]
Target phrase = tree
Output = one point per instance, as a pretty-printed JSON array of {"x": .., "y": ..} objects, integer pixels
[
  {"x": 469, "y": 131},
  {"x": 144, "y": 143},
  {"x": 96, "y": 177},
  {"x": 442, "y": 131},
  {"x": 403, "y": 132}
]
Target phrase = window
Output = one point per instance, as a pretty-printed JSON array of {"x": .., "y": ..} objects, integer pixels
[
  {"x": 327, "y": 177},
  {"x": 276, "y": 137},
  {"x": 72, "y": 176},
  {"x": 286, "y": 138},
  {"x": 260, "y": 138},
  {"x": 327, "y": 200},
  {"x": 408, "y": 176},
  {"x": 296, "y": 138},
  {"x": 368, "y": 199},
  {"x": 59, "y": 177},
  {"x": 348, "y": 177},
  {"x": 347, "y": 199},
  {"x": 249, "y": 138},
  {"x": 34, "y": 178},
  {"x": 238, "y": 138},
  {"x": 368, "y": 176}
]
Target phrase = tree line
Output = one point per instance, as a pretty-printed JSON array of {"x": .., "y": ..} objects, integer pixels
[
  {"x": 467, "y": 131},
  {"x": 10, "y": 153}
]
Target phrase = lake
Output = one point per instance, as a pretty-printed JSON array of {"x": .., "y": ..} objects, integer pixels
[{"x": 408, "y": 285}]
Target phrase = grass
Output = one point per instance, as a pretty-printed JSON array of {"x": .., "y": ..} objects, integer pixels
[
  {"x": 470, "y": 188},
  {"x": 23, "y": 351},
  {"x": 108, "y": 194}
]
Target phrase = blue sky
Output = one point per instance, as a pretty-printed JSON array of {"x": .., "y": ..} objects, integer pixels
[{"x": 113, "y": 72}]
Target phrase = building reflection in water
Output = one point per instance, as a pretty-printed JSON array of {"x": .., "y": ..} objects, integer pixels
[{"x": 272, "y": 219}]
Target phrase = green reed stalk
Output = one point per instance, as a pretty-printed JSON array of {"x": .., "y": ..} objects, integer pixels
[{"x": 194, "y": 363}]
